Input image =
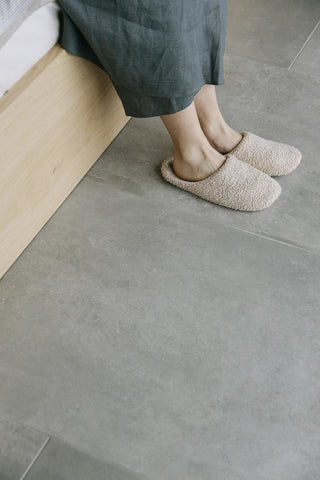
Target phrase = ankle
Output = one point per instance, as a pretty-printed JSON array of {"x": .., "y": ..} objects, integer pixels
[
  {"x": 221, "y": 137},
  {"x": 197, "y": 164},
  {"x": 196, "y": 155}
]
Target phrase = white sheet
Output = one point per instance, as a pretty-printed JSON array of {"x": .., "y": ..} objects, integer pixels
[
  {"x": 13, "y": 13},
  {"x": 33, "y": 39}
]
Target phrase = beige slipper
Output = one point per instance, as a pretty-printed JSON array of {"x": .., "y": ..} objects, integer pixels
[
  {"x": 234, "y": 185},
  {"x": 272, "y": 158}
]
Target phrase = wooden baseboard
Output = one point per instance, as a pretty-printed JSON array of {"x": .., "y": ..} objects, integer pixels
[{"x": 54, "y": 124}]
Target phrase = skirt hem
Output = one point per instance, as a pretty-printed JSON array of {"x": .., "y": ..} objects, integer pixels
[{"x": 145, "y": 106}]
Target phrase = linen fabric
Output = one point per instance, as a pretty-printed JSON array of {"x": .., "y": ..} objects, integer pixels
[{"x": 157, "y": 53}]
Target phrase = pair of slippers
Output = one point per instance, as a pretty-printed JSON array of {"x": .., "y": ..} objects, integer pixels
[{"x": 243, "y": 182}]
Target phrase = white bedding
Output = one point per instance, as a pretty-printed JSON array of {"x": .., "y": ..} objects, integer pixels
[
  {"x": 30, "y": 42},
  {"x": 13, "y": 13}
]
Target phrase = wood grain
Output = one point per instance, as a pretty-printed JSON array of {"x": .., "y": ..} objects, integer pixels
[{"x": 54, "y": 124}]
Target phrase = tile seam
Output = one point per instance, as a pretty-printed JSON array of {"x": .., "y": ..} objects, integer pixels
[
  {"x": 232, "y": 227},
  {"x": 43, "y": 446},
  {"x": 258, "y": 60},
  {"x": 87, "y": 453},
  {"x": 303, "y": 46},
  {"x": 282, "y": 242}
]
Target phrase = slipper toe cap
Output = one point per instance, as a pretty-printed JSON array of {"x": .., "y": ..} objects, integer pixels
[
  {"x": 248, "y": 188},
  {"x": 272, "y": 158},
  {"x": 289, "y": 158}
]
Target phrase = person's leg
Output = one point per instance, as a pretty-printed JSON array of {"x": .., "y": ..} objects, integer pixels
[
  {"x": 194, "y": 158},
  {"x": 222, "y": 137}
]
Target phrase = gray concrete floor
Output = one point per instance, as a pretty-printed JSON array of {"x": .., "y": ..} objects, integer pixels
[{"x": 146, "y": 333}]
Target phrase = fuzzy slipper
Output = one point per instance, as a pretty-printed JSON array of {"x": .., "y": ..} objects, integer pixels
[
  {"x": 234, "y": 185},
  {"x": 272, "y": 158}
]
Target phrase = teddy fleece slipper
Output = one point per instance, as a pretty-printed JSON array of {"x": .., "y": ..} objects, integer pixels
[
  {"x": 235, "y": 184},
  {"x": 272, "y": 158}
]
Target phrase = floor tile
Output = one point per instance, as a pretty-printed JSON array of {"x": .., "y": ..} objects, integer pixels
[
  {"x": 309, "y": 60},
  {"x": 167, "y": 344},
  {"x": 256, "y": 97},
  {"x": 60, "y": 460},
  {"x": 19, "y": 445},
  {"x": 165, "y": 335},
  {"x": 272, "y": 31}
]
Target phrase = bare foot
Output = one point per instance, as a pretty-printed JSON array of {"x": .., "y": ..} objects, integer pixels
[
  {"x": 220, "y": 136},
  {"x": 223, "y": 139},
  {"x": 195, "y": 169}
]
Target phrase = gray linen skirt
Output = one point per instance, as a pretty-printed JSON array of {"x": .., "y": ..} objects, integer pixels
[{"x": 157, "y": 53}]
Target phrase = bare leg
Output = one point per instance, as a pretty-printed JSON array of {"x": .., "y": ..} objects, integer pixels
[
  {"x": 222, "y": 137},
  {"x": 194, "y": 158}
]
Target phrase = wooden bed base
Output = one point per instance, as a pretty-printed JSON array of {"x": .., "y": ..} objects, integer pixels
[{"x": 54, "y": 124}]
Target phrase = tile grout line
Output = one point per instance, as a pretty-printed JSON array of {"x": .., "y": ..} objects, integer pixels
[
  {"x": 230, "y": 226},
  {"x": 303, "y": 46},
  {"x": 282, "y": 242},
  {"x": 108, "y": 461},
  {"x": 54, "y": 436},
  {"x": 254, "y": 59},
  {"x": 260, "y": 235},
  {"x": 35, "y": 459},
  {"x": 84, "y": 452}
]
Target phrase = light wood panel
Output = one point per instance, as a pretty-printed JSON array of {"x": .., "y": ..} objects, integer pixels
[{"x": 54, "y": 124}]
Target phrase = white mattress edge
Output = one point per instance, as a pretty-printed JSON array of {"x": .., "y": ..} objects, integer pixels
[{"x": 23, "y": 49}]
